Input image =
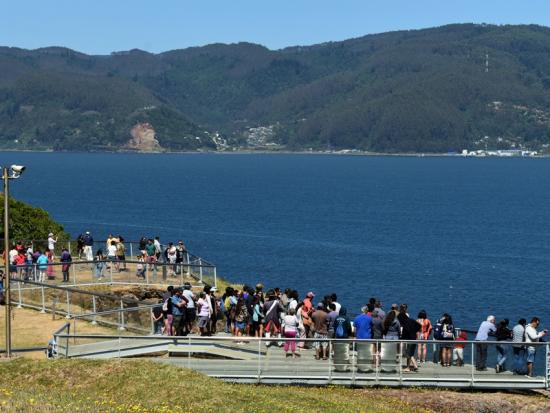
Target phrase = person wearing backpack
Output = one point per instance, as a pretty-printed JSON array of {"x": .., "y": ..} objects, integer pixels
[
  {"x": 342, "y": 324},
  {"x": 257, "y": 317},
  {"x": 444, "y": 331}
]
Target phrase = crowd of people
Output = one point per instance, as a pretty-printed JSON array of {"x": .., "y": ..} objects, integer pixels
[
  {"x": 150, "y": 253},
  {"x": 29, "y": 263},
  {"x": 275, "y": 314}
]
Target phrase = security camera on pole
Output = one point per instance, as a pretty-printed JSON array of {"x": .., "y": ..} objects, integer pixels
[{"x": 11, "y": 172}]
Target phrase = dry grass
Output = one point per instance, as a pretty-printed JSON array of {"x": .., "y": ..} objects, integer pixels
[{"x": 32, "y": 329}]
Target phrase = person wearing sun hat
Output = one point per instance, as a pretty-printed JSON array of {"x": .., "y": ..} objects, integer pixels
[{"x": 51, "y": 242}]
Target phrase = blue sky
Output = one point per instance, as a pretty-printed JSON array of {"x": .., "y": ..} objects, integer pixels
[{"x": 103, "y": 26}]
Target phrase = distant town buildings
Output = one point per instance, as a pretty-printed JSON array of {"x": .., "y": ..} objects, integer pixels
[{"x": 505, "y": 153}]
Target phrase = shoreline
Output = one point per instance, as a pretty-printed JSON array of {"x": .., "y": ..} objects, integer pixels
[{"x": 282, "y": 152}]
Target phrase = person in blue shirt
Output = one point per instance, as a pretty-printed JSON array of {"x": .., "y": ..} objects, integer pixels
[
  {"x": 179, "y": 303},
  {"x": 363, "y": 325},
  {"x": 42, "y": 262}
]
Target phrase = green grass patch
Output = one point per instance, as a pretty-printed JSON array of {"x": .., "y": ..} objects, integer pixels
[{"x": 146, "y": 386}]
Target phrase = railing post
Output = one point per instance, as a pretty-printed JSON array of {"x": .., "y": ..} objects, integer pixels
[
  {"x": 547, "y": 367},
  {"x": 200, "y": 269},
  {"x": 377, "y": 360},
  {"x": 131, "y": 252},
  {"x": 353, "y": 357},
  {"x": 68, "y": 305},
  {"x": 74, "y": 274},
  {"x": 119, "y": 345},
  {"x": 259, "y": 359},
  {"x": 43, "y": 311},
  {"x": 188, "y": 266},
  {"x": 188, "y": 352},
  {"x": 111, "y": 270},
  {"x": 473, "y": 365},
  {"x": 329, "y": 349},
  {"x": 400, "y": 358},
  {"x": 19, "y": 305},
  {"x": 67, "y": 342},
  {"x": 215, "y": 278},
  {"x": 94, "y": 308},
  {"x": 121, "y": 328}
]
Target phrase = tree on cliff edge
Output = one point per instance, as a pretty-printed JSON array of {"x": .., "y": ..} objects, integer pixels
[{"x": 29, "y": 223}]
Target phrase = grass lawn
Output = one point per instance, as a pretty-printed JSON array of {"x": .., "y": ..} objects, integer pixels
[
  {"x": 146, "y": 386},
  {"x": 133, "y": 385}
]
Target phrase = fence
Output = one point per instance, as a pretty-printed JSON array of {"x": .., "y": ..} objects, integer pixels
[
  {"x": 191, "y": 265},
  {"x": 128, "y": 272},
  {"x": 122, "y": 313},
  {"x": 350, "y": 361}
]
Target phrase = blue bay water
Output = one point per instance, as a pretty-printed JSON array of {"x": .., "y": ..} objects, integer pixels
[{"x": 466, "y": 236}]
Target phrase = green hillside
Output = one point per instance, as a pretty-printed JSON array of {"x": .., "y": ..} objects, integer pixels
[{"x": 409, "y": 91}]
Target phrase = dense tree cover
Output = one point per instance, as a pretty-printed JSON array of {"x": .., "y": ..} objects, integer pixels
[
  {"x": 421, "y": 90},
  {"x": 29, "y": 223}
]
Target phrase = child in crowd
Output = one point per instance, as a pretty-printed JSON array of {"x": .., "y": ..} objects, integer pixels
[
  {"x": 140, "y": 267},
  {"x": 458, "y": 350}
]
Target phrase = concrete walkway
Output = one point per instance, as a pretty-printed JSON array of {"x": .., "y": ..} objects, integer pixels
[{"x": 255, "y": 363}]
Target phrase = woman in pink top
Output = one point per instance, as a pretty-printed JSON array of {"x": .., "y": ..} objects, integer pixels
[
  {"x": 424, "y": 334},
  {"x": 49, "y": 271}
]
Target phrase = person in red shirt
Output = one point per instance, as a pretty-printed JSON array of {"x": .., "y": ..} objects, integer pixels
[
  {"x": 458, "y": 350},
  {"x": 19, "y": 261}
]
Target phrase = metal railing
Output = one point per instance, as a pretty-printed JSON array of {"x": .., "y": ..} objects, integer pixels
[
  {"x": 128, "y": 272},
  {"x": 192, "y": 264},
  {"x": 350, "y": 361},
  {"x": 109, "y": 310}
]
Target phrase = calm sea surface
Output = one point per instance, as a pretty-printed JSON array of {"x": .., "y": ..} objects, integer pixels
[{"x": 467, "y": 236}]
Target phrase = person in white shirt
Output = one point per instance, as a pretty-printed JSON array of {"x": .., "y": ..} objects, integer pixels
[
  {"x": 486, "y": 329},
  {"x": 111, "y": 252},
  {"x": 171, "y": 253},
  {"x": 532, "y": 336},
  {"x": 51, "y": 242}
]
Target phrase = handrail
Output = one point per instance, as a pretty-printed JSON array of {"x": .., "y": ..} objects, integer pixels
[
  {"x": 63, "y": 327},
  {"x": 297, "y": 339},
  {"x": 105, "y": 261},
  {"x": 99, "y": 242},
  {"x": 77, "y": 290}
]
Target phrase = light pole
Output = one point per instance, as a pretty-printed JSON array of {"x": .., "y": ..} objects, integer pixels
[{"x": 11, "y": 172}]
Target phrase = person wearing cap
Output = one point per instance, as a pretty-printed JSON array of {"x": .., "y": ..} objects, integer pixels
[
  {"x": 487, "y": 328},
  {"x": 320, "y": 328},
  {"x": 88, "y": 244},
  {"x": 308, "y": 301},
  {"x": 214, "y": 310}
]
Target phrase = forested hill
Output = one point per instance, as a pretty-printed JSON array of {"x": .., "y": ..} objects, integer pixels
[{"x": 409, "y": 91}]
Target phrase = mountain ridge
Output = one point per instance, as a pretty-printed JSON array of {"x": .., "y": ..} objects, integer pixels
[{"x": 426, "y": 90}]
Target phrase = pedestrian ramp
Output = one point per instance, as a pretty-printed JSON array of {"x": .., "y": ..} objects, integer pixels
[{"x": 126, "y": 347}]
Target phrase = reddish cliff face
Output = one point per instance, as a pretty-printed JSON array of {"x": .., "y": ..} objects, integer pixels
[{"x": 143, "y": 138}]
